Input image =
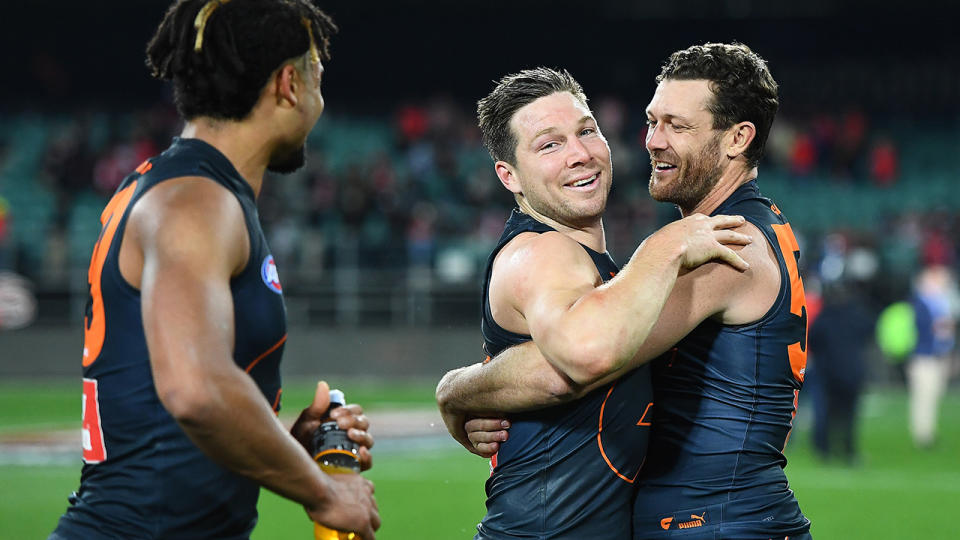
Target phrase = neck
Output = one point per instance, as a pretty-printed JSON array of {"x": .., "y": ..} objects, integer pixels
[
  {"x": 590, "y": 235},
  {"x": 241, "y": 142},
  {"x": 729, "y": 181}
]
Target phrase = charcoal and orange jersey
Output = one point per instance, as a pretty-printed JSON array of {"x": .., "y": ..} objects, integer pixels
[
  {"x": 567, "y": 471},
  {"x": 726, "y": 397},
  {"x": 142, "y": 476}
]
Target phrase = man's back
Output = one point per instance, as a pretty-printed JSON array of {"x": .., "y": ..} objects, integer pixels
[
  {"x": 143, "y": 476},
  {"x": 725, "y": 399}
]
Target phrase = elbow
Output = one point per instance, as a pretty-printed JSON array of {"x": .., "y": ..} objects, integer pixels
[
  {"x": 590, "y": 360},
  {"x": 563, "y": 389},
  {"x": 444, "y": 393},
  {"x": 188, "y": 407},
  {"x": 589, "y": 364}
]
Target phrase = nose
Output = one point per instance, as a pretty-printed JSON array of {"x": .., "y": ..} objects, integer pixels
[
  {"x": 577, "y": 153},
  {"x": 656, "y": 140}
]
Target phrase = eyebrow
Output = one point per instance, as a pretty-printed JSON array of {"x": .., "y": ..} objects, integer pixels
[
  {"x": 669, "y": 116},
  {"x": 584, "y": 118}
]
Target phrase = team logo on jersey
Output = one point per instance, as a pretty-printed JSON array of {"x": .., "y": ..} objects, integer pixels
[{"x": 268, "y": 272}]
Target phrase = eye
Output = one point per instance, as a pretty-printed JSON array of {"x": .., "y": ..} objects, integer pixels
[
  {"x": 549, "y": 145},
  {"x": 651, "y": 123},
  {"x": 587, "y": 131}
]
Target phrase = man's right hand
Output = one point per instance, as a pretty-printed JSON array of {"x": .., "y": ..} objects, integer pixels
[
  {"x": 704, "y": 239},
  {"x": 349, "y": 506}
]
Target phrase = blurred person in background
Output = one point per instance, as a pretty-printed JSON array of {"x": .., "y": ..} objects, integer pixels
[
  {"x": 837, "y": 370},
  {"x": 6, "y": 255},
  {"x": 185, "y": 321},
  {"x": 928, "y": 370}
]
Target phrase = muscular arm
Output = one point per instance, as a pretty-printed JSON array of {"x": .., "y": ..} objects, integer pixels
[
  {"x": 193, "y": 238},
  {"x": 522, "y": 378},
  {"x": 583, "y": 333}
]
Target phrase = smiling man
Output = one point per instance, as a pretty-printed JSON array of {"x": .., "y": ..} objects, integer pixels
[
  {"x": 560, "y": 477},
  {"x": 728, "y": 351}
]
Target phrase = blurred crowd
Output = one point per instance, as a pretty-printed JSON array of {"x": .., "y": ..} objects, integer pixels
[
  {"x": 407, "y": 201},
  {"x": 414, "y": 190}
]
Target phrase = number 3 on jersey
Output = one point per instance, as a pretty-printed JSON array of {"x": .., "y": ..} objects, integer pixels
[
  {"x": 94, "y": 451},
  {"x": 94, "y": 325}
]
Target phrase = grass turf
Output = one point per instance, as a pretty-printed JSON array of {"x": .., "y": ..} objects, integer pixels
[{"x": 895, "y": 492}]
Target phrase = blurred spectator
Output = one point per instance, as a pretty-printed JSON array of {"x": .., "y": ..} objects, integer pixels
[
  {"x": 839, "y": 336},
  {"x": 69, "y": 162},
  {"x": 849, "y": 144},
  {"x": 6, "y": 259},
  {"x": 928, "y": 369},
  {"x": 883, "y": 163},
  {"x": 803, "y": 155},
  {"x": 120, "y": 159}
]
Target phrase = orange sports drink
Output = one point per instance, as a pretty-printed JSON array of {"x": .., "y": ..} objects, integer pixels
[{"x": 335, "y": 453}]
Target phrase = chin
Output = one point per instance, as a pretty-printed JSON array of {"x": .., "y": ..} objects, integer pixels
[{"x": 288, "y": 162}]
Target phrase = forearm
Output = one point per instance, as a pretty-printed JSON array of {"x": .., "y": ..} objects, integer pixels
[
  {"x": 516, "y": 380},
  {"x": 602, "y": 332},
  {"x": 235, "y": 426}
]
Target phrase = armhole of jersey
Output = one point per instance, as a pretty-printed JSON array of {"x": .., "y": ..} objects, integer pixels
[
  {"x": 784, "y": 278},
  {"x": 251, "y": 226},
  {"x": 117, "y": 277},
  {"x": 487, "y": 313}
]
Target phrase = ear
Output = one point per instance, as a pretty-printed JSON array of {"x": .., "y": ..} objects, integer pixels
[
  {"x": 741, "y": 135},
  {"x": 286, "y": 83},
  {"x": 508, "y": 176}
]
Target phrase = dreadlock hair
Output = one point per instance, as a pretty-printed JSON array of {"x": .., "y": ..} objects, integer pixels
[
  {"x": 512, "y": 93},
  {"x": 220, "y": 53},
  {"x": 742, "y": 86}
]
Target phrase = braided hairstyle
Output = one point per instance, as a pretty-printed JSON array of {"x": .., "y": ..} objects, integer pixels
[{"x": 219, "y": 54}]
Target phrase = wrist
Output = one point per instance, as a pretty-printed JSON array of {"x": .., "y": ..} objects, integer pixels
[{"x": 320, "y": 492}]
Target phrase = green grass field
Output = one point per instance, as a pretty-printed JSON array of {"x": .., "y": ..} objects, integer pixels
[{"x": 896, "y": 492}]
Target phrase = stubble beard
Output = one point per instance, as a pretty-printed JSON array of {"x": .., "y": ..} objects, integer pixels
[
  {"x": 568, "y": 212},
  {"x": 288, "y": 161},
  {"x": 695, "y": 180}
]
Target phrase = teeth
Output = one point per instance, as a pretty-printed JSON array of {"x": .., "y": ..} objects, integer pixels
[
  {"x": 585, "y": 181},
  {"x": 661, "y": 165}
]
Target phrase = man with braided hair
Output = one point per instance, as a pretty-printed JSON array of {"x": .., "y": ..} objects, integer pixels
[{"x": 185, "y": 322}]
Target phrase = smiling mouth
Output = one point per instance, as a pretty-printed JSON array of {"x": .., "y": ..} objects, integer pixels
[
  {"x": 584, "y": 182},
  {"x": 661, "y": 166}
]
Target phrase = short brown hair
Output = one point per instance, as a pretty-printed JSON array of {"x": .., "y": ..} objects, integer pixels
[
  {"x": 512, "y": 93},
  {"x": 743, "y": 88}
]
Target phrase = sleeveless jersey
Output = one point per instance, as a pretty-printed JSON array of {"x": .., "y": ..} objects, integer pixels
[
  {"x": 567, "y": 471},
  {"x": 142, "y": 477},
  {"x": 725, "y": 399}
]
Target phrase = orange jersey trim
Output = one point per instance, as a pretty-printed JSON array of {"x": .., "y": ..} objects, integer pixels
[
  {"x": 276, "y": 401},
  {"x": 265, "y": 354},
  {"x": 600, "y": 441}
]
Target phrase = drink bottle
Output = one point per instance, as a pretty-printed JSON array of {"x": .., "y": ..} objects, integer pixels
[{"x": 335, "y": 453}]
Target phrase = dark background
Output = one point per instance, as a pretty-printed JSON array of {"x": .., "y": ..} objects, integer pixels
[{"x": 58, "y": 54}]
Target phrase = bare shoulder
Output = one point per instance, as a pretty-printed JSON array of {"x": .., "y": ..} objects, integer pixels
[
  {"x": 533, "y": 265},
  {"x": 531, "y": 257},
  {"x": 753, "y": 292},
  {"x": 191, "y": 217}
]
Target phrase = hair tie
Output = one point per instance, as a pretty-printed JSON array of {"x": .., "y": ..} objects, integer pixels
[
  {"x": 201, "y": 21},
  {"x": 314, "y": 55}
]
